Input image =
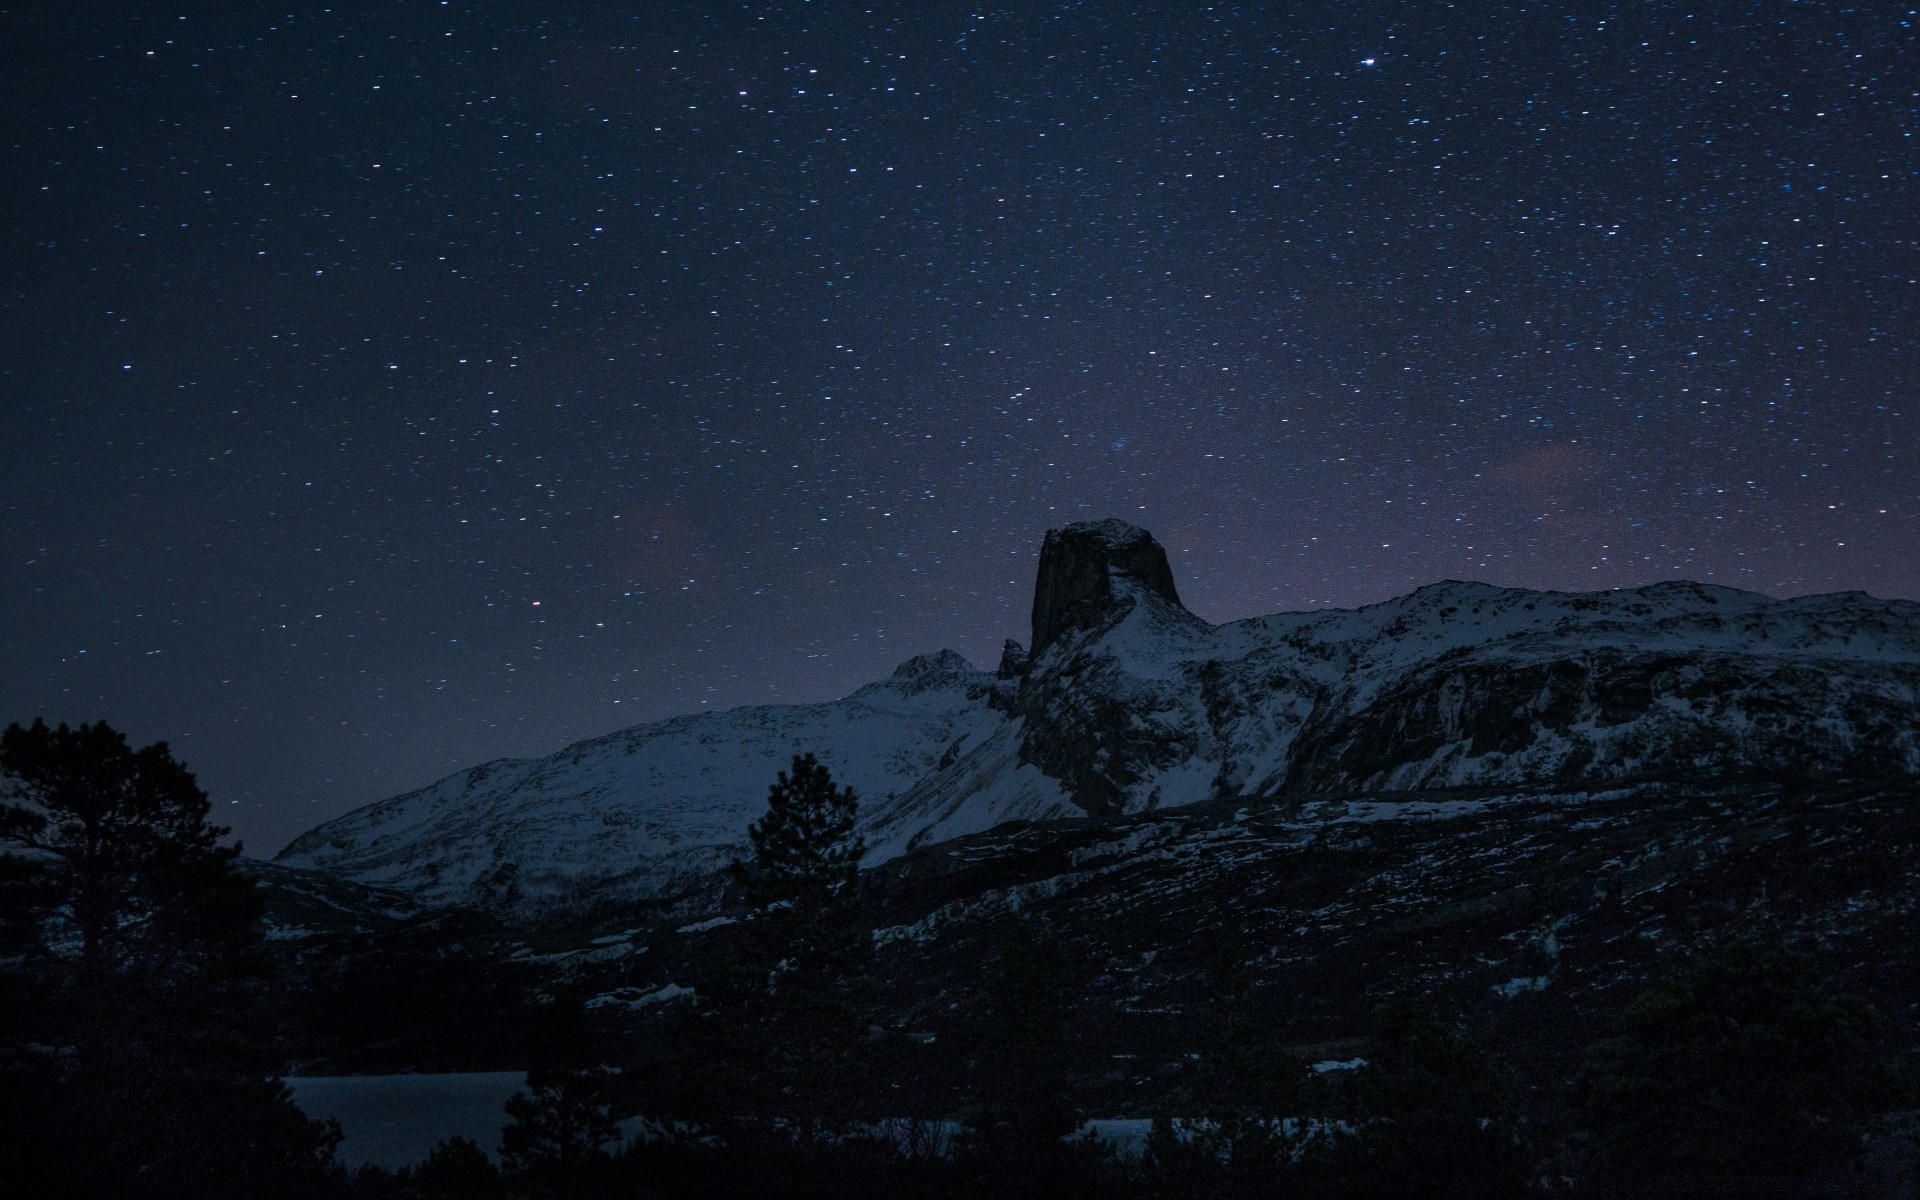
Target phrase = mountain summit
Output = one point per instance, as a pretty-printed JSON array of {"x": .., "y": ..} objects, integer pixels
[
  {"x": 1084, "y": 572},
  {"x": 1131, "y": 703}
]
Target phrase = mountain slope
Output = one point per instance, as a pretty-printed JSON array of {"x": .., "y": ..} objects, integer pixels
[
  {"x": 660, "y": 807},
  {"x": 1130, "y": 702}
]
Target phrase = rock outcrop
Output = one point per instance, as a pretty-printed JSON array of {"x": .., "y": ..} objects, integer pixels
[{"x": 1085, "y": 570}]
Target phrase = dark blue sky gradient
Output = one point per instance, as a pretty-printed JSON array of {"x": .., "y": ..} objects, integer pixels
[{"x": 393, "y": 386}]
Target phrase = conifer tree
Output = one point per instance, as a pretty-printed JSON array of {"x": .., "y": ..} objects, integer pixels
[
  {"x": 562, "y": 1128},
  {"x": 1023, "y": 1108},
  {"x": 1752, "y": 1064},
  {"x": 806, "y": 854},
  {"x": 457, "y": 1169},
  {"x": 121, "y": 838},
  {"x": 568, "y": 1118},
  {"x": 1429, "y": 1115},
  {"x": 135, "y": 1062},
  {"x": 773, "y": 1043}
]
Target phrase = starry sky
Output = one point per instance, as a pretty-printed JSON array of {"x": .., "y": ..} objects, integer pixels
[{"x": 391, "y": 386}]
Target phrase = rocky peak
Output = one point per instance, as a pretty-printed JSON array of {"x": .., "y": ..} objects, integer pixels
[
  {"x": 940, "y": 662},
  {"x": 1079, "y": 566},
  {"x": 1013, "y": 660},
  {"x": 941, "y": 668}
]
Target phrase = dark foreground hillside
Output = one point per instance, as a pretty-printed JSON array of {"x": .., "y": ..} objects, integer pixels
[
  {"x": 1664, "y": 988},
  {"x": 1525, "y": 925}
]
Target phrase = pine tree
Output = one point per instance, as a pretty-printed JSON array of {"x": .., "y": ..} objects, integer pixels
[
  {"x": 135, "y": 1061},
  {"x": 777, "y": 1032},
  {"x": 121, "y": 836},
  {"x": 806, "y": 854},
  {"x": 1750, "y": 1069},
  {"x": 567, "y": 1118},
  {"x": 562, "y": 1129},
  {"x": 1240, "y": 1145},
  {"x": 1023, "y": 1108},
  {"x": 457, "y": 1169},
  {"x": 1430, "y": 1115}
]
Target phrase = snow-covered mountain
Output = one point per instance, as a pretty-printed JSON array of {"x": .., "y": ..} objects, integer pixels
[{"x": 1127, "y": 702}]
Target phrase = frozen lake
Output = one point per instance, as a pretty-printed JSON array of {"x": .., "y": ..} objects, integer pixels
[{"x": 393, "y": 1120}]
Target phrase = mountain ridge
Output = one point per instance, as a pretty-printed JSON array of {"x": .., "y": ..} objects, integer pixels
[{"x": 1132, "y": 703}]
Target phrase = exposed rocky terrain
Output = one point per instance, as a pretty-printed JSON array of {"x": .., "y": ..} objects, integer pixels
[
  {"x": 1537, "y": 913},
  {"x": 1541, "y": 911}
]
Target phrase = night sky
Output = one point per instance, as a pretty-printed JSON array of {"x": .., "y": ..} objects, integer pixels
[{"x": 394, "y": 386}]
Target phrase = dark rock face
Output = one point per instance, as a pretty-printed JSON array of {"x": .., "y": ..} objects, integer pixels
[
  {"x": 1078, "y": 565},
  {"x": 1084, "y": 721},
  {"x": 1013, "y": 660},
  {"x": 1534, "y": 912},
  {"x": 1615, "y": 715}
]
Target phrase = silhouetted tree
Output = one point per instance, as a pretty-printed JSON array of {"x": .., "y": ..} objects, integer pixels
[
  {"x": 1749, "y": 1072},
  {"x": 804, "y": 873},
  {"x": 121, "y": 838},
  {"x": 775, "y": 1036},
  {"x": 567, "y": 1120},
  {"x": 457, "y": 1169},
  {"x": 137, "y": 1063},
  {"x": 1230, "y": 1137},
  {"x": 1023, "y": 1108},
  {"x": 1430, "y": 1115}
]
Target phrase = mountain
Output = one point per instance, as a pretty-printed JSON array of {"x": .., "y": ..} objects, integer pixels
[
  {"x": 1127, "y": 702},
  {"x": 1536, "y": 914}
]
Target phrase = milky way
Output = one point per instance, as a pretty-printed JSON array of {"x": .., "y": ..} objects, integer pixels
[{"x": 394, "y": 386}]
